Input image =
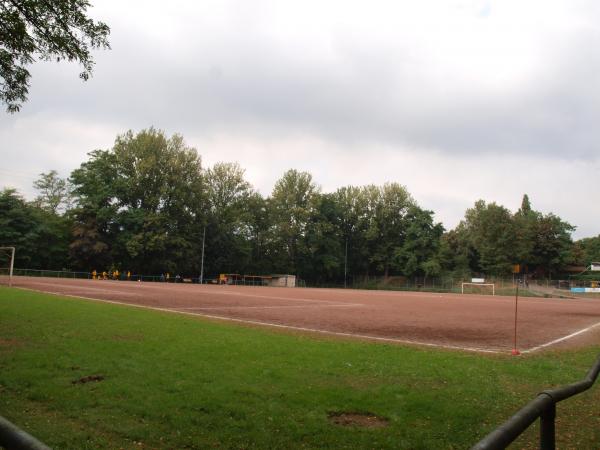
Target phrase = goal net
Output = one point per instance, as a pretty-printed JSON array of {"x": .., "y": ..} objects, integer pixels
[
  {"x": 478, "y": 288},
  {"x": 7, "y": 261}
]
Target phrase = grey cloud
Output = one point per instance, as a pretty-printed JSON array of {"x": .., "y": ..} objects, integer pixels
[{"x": 358, "y": 96}]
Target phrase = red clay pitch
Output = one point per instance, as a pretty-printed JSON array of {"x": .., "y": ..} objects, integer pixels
[{"x": 465, "y": 322}]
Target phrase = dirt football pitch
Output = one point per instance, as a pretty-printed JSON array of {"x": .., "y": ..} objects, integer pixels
[{"x": 464, "y": 322}]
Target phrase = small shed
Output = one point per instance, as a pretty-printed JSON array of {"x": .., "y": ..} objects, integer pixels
[{"x": 283, "y": 280}]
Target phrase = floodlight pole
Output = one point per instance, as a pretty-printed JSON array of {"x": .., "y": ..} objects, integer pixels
[
  {"x": 346, "y": 263},
  {"x": 202, "y": 260},
  {"x": 12, "y": 262}
]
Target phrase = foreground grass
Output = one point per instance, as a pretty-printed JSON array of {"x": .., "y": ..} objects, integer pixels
[{"x": 180, "y": 382}]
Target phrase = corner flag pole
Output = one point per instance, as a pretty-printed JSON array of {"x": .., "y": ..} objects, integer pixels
[{"x": 516, "y": 352}]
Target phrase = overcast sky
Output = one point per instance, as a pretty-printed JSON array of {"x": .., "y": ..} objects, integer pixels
[{"x": 457, "y": 100}]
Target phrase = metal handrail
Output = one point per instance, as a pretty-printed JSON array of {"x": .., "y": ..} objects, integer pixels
[
  {"x": 544, "y": 407},
  {"x": 13, "y": 438}
]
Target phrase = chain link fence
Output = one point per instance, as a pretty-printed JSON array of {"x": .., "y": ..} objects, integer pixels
[{"x": 503, "y": 286}]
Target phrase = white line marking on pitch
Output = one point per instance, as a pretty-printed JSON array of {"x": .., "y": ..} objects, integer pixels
[
  {"x": 230, "y": 293},
  {"x": 276, "y": 325},
  {"x": 226, "y": 293},
  {"x": 564, "y": 338},
  {"x": 108, "y": 291},
  {"x": 315, "y": 330},
  {"x": 270, "y": 297},
  {"x": 343, "y": 305}
]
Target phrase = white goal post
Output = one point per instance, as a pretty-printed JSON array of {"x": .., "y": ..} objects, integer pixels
[
  {"x": 462, "y": 288},
  {"x": 11, "y": 264}
]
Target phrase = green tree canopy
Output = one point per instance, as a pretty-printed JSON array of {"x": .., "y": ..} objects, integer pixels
[
  {"x": 353, "y": 206},
  {"x": 552, "y": 244},
  {"x": 48, "y": 30},
  {"x": 323, "y": 242},
  {"x": 418, "y": 253},
  {"x": 387, "y": 209},
  {"x": 144, "y": 205},
  {"x": 54, "y": 193},
  {"x": 590, "y": 248},
  {"x": 291, "y": 205},
  {"x": 227, "y": 217},
  {"x": 491, "y": 239},
  {"x": 41, "y": 237},
  {"x": 490, "y": 231},
  {"x": 139, "y": 204}
]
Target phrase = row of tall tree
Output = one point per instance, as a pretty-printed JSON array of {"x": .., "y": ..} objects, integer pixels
[{"x": 147, "y": 205}]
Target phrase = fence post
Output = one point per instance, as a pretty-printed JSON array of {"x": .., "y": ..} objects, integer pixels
[{"x": 547, "y": 431}]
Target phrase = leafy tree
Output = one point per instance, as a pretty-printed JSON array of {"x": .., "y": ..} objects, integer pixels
[
  {"x": 40, "y": 237},
  {"x": 525, "y": 224},
  {"x": 542, "y": 242},
  {"x": 259, "y": 223},
  {"x": 95, "y": 225},
  {"x": 456, "y": 254},
  {"x": 491, "y": 240},
  {"x": 525, "y": 205},
  {"x": 553, "y": 244},
  {"x": 386, "y": 230},
  {"x": 324, "y": 255},
  {"x": 590, "y": 248},
  {"x": 490, "y": 230},
  {"x": 419, "y": 250},
  {"x": 387, "y": 217},
  {"x": 52, "y": 247},
  {"x": 139, "y": 205},
  {"x": 228, "y": 230},
  {"x": 18, "y": 227},
  {"x": 89, "y": 247},
  {"x": 353, "y": 206},
  {"x": 48, "y": 30},
  {"x": 54, "y": 192},
  {"x": 291, "y": 206}
]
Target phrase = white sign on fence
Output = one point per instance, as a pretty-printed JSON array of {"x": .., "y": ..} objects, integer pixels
[
  {"x": 477, "y": 280},
  {"x": 594, "y": 267}
]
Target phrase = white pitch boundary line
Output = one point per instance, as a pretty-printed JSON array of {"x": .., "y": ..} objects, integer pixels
[
  {"x": 343, "y": 305},
  {"x": 129, "y": 293},
  {"x": 226, "y": 293},
  {"x": 276, "y": 325},
  {"x": 396, "y": 294},
  {"x": 315, "y": 330},
  {"x": 424, "y": 295},
  {"x": 270, "y": 297},
  {"x": 564, "y": 338}
]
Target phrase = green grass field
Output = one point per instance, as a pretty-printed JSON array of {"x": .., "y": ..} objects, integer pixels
[{"x": 175, "y": 381}]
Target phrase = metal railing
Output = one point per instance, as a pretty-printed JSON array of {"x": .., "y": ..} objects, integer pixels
[
  {"x": 51, "y": 273},
  {"x": 13, "y": 438},
  {"x": 544, "y": 407}
]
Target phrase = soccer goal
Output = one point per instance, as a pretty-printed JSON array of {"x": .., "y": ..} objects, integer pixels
[
  {"x": 7, "y": 262},
  {"x": 478, "y": 287}
]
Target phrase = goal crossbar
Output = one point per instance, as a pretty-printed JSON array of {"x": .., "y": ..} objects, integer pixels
[
  {"x": 12, "y": 263},
  {"x": 462, "y": 287}
]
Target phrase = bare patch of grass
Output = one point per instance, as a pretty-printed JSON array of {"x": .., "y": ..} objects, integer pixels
[{"x": 357, "y": 419}]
